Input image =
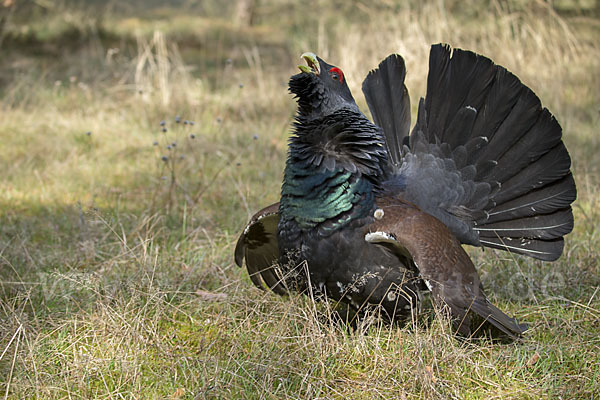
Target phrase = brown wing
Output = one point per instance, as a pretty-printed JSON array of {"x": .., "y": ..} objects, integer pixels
[
  {"x": 443, "y": 264},
  {"x": 258, "y": 246}
]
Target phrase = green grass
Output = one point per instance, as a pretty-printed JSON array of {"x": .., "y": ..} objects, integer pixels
[{"x": 116, "y": 268}]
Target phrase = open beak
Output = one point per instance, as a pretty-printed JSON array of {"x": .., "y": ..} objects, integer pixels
[{"x": 312, "y": 66}]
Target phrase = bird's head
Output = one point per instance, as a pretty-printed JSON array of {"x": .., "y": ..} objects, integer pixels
[{"x": 320, "y": 88}]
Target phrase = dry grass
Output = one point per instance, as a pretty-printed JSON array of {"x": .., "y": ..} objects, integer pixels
[{"x": 116, "y": 270}]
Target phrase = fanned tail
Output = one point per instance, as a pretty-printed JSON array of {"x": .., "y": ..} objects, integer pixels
[{"x": 490, "y": 128}]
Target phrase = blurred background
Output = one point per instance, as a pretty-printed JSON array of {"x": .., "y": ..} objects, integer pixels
[{"x": 137, "y": 137}]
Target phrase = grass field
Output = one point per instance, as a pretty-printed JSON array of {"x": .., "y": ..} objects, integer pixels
[{"x": 117, "y": 278}]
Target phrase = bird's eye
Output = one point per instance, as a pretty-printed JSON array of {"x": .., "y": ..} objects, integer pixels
[{"x": 336, "y": 74}]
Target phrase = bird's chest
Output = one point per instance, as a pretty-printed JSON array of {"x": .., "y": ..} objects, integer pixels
[{"x": 323, "y": 200}]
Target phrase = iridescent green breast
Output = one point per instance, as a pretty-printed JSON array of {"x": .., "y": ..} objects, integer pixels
[{"x": 329, "y": 198}]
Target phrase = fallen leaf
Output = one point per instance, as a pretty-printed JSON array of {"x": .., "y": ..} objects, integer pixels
[
  {"x": 177, "y": 394},
  {"x": 210, "y": 296},
  {"x": 533, "y": 359},
  {"x": 430, "y": 373}
]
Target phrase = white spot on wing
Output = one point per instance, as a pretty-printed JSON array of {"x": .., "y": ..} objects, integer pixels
[
  {"x": 428, "y": 285},
  {"x": 378, "y": 214},
  {"x": 375, "y": 237},
  {"x": 251, "y": 223}
]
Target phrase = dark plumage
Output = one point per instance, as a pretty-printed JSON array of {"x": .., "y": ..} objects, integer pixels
[{"x": 372, "y": 215}]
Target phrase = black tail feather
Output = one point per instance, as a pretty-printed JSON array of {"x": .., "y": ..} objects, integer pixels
[
  {"x": 543, "y": 136},
  {"x": 544, "y": 226},
  {"x": 517, "y": 123},
  {"x": 549, "y": 168},
  {"x": 501, "y": 99},
  {"x": 439, "y": 62},
  {"x": 555, "y": 196},
  {"x": 389, "y": 102},
  {"x": 461, "y": 126},
  {"x": 546, "y": 250}
]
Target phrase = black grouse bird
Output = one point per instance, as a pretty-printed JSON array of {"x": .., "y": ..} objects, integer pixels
[{"x": 370, "y": 215}]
